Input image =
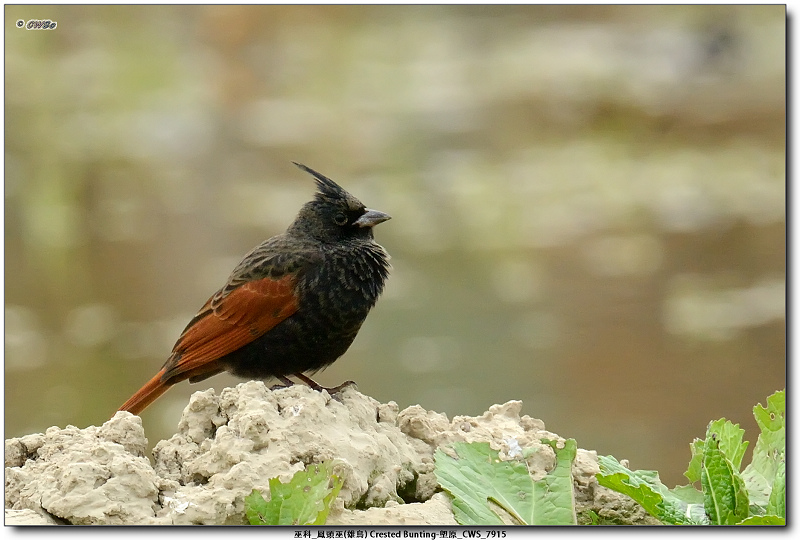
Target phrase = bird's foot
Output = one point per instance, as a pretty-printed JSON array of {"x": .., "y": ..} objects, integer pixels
[
  {"x": 318, "y": 388},
  {"x": 286, "y": 384},
  {"x": 337, "y": 389}
]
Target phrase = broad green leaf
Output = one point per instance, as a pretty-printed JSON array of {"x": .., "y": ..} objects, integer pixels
[
  {"x": 730, "y": 438},
  {"x": 478, "y": 476},
  {"x": 255, "y": 507},
  {"x": 688, "y": 494},
  {"x": 773, "y": 416},
  {"x": 696, "y": 514},
  {"x": 478, "y": 479},
  {"x": 645, "y": 488},
  {"x": 554, "y": 498},
  {"x": 763, "y": 520},
  {"x": 693, "y": 498},
  {"x": 725, "y": 497},
  {"x": 327, "y": 500},
  {"x": 305, "y": 500},
  {"x": 777, "y": 498},
  {"x": 769, "y": 451},
  {"x": 756, "y": 495},
  {"x": 695, "y": 464}
]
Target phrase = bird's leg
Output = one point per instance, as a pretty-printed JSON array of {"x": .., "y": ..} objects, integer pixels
[
  {"x": 319, "y": 388},
  {"x": 286, "y": 383},
  {"x": 310, "y": 382}
]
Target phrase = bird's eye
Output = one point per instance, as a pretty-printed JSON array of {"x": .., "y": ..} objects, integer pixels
[{"x": 340, "y": 218}]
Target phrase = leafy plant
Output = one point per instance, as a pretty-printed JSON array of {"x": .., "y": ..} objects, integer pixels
[
  {"x": 728, "y": 496},
  {"x": 483, "y": 487},
  {"x": 644, "y": 487},
  {"x": 305, "y": 500}
]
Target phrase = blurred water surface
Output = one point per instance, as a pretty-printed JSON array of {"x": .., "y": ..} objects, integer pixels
[{"x": 588, "y": 203}]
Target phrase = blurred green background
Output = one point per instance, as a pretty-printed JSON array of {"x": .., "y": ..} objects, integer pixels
[{"x": 588, "y": 203}]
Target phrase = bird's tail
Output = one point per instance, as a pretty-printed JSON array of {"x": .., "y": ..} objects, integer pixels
[{"x": 146, "y": 394}]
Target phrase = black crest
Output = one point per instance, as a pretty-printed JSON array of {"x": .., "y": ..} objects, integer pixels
[{"x": 327, "y": 188}]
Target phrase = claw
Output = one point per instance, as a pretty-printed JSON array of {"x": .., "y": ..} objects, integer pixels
[
  {"x": 286, "y": 383},
  {"x": 319, "y": 388}
]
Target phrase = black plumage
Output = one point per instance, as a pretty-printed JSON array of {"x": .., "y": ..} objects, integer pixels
[{"x": 293, "y": 305}]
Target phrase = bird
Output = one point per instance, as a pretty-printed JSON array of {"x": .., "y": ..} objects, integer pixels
[{"x": 293, "y": 305}]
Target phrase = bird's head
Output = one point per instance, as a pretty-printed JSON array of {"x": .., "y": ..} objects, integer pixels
[{"x": 334, "y": 214}]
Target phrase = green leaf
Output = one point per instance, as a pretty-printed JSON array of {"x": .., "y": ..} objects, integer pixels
[
  {"x": 695, "y": 464},
  {"x": 777, "y": 498},
  {"x": 693, "y": 498},
  {"x": 730, "y": 440},
  {"x": 770, "y": 449},
  {"x": 729, "y": 436},
  {"x": 477, "y": 477},
  {"x": 304, "y": 500},
  {"x": 255, "y": 507},
  {"x": 480, "y": 482},
  {"x": 729, "y": 497},
  {"x": 763, "y": 520},
  {"x": 554, "y": 498},
  {"x": 725, "y": 497},
  {"x": 645, "y": 488},
  {"x": 335, "y": 487},
  {"x": 773, "y": 416},
  {"x": 688, "y": 494}
]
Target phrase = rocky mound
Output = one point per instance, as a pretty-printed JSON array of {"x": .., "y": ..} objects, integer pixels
[{"x": 230, "y": 443}]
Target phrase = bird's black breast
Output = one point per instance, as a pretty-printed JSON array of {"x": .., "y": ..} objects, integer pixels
[{"x": 335, "y": 295}]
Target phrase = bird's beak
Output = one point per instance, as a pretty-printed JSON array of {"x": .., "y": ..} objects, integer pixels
[{"x": 371, "y": 218}]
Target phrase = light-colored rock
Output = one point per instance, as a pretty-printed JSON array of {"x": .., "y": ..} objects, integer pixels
[
  {"x": 434, "y": 511},
  {"x": 85, "y": 476},
  {"x": 28, "y": 517},
  {"x": 227, "y": 444}
]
